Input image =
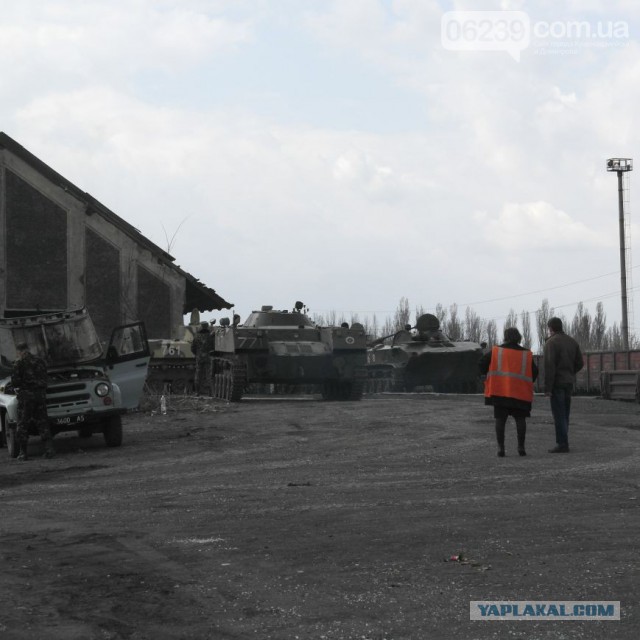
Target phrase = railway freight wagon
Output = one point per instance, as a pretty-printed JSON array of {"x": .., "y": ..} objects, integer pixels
[{"x": 589, "y": 381}]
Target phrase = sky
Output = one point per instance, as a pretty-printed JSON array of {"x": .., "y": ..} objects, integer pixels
[{"x": 347, "y": 153}]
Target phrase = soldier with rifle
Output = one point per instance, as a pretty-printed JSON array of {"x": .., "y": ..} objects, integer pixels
[
  {"x": 29, "y": 379},
  {"x": 201, "y": 347}
]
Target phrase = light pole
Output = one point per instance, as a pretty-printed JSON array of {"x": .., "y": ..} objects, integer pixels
[{"x": 620, "y": 166}]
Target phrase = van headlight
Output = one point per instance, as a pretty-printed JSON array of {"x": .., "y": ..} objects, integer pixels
[{"x": 102, "y": 389}]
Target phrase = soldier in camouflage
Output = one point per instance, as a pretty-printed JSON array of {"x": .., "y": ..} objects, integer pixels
[
  {"x": 29, "y": 379},
  {"x": 201, "y": 347}
]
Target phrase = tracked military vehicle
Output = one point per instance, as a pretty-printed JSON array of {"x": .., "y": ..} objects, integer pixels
[
  {"x": 286, "y": 347},
  {"x": 423, "y": 357},
  {"x": 172, "y": 368}
]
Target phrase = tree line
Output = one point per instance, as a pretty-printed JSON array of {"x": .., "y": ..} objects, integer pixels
[{"x": 590, "y": 330}]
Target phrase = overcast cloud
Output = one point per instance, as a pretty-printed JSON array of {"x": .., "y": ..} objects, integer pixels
[{"x": 334, "y": 151}]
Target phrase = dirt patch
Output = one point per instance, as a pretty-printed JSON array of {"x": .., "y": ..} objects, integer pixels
[{"x": 297, "y": 518}]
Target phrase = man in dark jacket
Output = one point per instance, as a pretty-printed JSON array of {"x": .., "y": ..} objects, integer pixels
[
  {"x": 201, "y": 347},
  {"x": 510, "y": 373},
  {"x": 562, "y": 360},
  {"x": 29, "y": 379}
]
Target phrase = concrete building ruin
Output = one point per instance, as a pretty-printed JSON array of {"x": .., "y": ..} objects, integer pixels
[{"x": 62, "y": 249}]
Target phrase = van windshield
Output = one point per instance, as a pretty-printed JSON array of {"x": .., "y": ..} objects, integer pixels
[{"x": 61, "y": 339}]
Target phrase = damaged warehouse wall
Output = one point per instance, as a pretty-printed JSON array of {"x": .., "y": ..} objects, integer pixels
[{"x": 62, "y": 249}]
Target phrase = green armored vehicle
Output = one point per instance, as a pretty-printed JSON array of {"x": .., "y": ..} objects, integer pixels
[
  {"x": 423, "y": 358},
  {"x": 286, "y": 347},
  {"x": 172, "y": 367}
]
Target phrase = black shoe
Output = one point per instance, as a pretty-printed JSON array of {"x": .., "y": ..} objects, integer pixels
[
  {"x": 522, "y": 452},
  {"x": 559, "y": 449},
  {"x": 500, "y": 453}
]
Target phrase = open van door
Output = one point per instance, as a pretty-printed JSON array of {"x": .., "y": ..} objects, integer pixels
[{"x": 127, "y": 361}]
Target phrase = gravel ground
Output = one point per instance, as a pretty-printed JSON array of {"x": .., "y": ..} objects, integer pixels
[{"x": 296, "y": 518}]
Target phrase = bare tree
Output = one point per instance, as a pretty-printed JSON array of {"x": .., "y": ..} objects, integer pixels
[
  {"x": 590, "y": 332},
  {"x": 598, "y": 328},
  {"x": 402, "y": 315},
  {"x": 441, "y": 314},
  {"x": 581, "y": 327},
  {"x": 526, "y": 329},
  {"x": 472, "y": 325},
  {"x": 454, "y": 327},
  {"x": 371, "y": 327},
  {"x": 491, "y": 329},
  {"x": 511, "y": 320},
  {"x": 542, "y": 317},
  {"x": 331, "y": 319},
  {"x": 613, "y": 339},
  {"x": 388, "y": 328}
]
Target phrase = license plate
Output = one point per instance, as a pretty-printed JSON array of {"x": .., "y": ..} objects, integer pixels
[{"x": 69, "y": 420}]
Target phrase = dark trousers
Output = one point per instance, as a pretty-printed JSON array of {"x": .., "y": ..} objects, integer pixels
[
  {"x": 203, "y": 377},
  {"x": 561, "y": 409},
  {"x": 32, "y": 412},
  {"x": 521, "y": 430}
]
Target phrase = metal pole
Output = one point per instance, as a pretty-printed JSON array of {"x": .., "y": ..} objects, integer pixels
[{"x": 623, "y": 265}]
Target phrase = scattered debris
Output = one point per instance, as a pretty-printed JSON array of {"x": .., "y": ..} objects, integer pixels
[
  {"x": 455, "y": 558},
  {"x": 462, "y": 559},
  {"x": 179, "y": 403}
]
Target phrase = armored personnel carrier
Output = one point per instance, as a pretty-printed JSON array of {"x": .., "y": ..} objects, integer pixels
[
  {"x": 423, "y": 357},
  {"x": 286, "y": 347}
]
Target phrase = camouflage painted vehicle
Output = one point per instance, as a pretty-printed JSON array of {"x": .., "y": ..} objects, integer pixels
[
  {"x": 423, "y": 358},
  {"x": 172, "y": 367},
  {"x": 286, "y": 347}
]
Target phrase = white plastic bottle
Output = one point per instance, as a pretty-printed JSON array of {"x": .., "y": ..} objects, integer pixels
[{"x": 163, "y": 405}]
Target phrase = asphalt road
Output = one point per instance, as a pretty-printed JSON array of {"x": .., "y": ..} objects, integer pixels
[{"x": 297, "y": 518}]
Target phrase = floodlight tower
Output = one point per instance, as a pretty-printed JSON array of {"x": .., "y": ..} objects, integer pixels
[{"x": 621, "y": 166}]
